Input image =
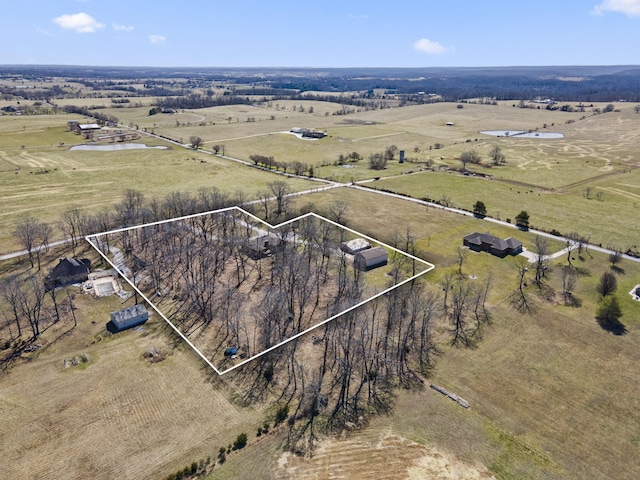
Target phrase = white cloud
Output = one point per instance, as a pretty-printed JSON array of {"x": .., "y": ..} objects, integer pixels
[
  {"x": 628, "y": 7},
  {"x": 156, "y": 39},
  {"x": 122, "y": 28},
  {"x": 80, "y": 22},
  {"x": 425, "y": 45}
]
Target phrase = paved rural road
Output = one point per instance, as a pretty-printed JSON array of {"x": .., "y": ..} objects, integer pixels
[{"x": 9, "y": 256}]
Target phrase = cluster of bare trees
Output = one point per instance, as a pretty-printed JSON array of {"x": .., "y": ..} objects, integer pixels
[
  {"x": 28, "y": 306},
  {"x": 223, "y": 278},
  {"x": 464, "y": 305},
  {"x": 357, "y": 361},
  {"x": 296, "y": 167},
  {"x": 34, "y": 236},
  {"x": 209, "y": 274}
]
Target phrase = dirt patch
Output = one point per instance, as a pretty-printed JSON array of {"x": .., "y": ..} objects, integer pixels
[{"x": 392, "y": 457}]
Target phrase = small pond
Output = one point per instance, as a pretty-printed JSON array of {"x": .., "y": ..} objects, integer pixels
[
  {"x": 115, "y": 146},
  {"x": 522, "y": 134}
]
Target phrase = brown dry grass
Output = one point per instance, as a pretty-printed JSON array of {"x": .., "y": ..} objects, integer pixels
[
  {"x": 378, "y": 454},
  {"x": 116, "y": 416}
]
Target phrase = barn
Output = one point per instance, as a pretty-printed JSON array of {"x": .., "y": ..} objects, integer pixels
[
  {"x": 370, "y": 259},
  {"x": 128, "y": 317}
]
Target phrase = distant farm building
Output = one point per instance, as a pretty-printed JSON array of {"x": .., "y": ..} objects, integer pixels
[
  {"x": 128, "y": 317},
  {"x": 354, "y": 246},
  {"x": 66, "y": 272},
  {"x": 264, "y": 246},
  {"x": 86, "y": 129},
  {"x": 308, "y": 133},
  {"x": 370, "y": 259},
  {"x": 313, "y": 134},
  {"x": 485, "y": 242}
]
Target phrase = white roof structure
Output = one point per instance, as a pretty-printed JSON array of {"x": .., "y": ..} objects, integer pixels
[{"x": 355, "y": 245}]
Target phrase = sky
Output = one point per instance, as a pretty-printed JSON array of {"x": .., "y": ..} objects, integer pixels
[{"x": 322, "y": 34}]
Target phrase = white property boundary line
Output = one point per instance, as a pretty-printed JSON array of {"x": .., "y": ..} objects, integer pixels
[{"x": 90, "y": 239}]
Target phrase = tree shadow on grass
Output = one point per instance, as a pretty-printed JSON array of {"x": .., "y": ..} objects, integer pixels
[
  {"x": 615, "y": 327},
  {"x": 572, "y": 301},
  {"x": 582, "y": 272},
  {"x": 618, "y": 269}
]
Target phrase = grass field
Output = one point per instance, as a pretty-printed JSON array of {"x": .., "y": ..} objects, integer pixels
[
  {"x": 45, "y": 181},
  {"x": 564, "y": 211}
]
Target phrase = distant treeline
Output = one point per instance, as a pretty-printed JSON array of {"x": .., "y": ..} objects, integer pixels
[
  {"x": 195, "y": 100},
  {"x": 100, "y": 117},
  {"x": 604, "y": 88},
  {"x": 586, "y": 83}
]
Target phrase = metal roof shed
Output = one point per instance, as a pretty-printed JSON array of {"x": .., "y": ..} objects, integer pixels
[
  {"x": 370, "y": 259},
  {"x": 129, "y": 317}
]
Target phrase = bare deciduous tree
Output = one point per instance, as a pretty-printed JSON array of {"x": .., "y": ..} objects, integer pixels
[
  {"x": 195, "y": 141},
  {"x": 71, "y": 224},
  {"x": 569, "y": 281},
  {"x": 496, "y": 155},
  {"x": 522, "y": 301},
  {"x": 542, "y": 259},
  {"x": 26, "y": 231},
  {"x": 281, "y": 191},
  {"x": 470, "y": 156}
]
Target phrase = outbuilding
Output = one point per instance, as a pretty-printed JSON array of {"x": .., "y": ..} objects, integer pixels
[
  {"x": 354, "y": 246},
  {"x": 370, "y": 259},
  {"x": 263, "y": 246},
  {"x": 128, "y": 317}
]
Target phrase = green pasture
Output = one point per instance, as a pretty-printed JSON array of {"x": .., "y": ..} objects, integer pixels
[{"x": 607, "y": 220}]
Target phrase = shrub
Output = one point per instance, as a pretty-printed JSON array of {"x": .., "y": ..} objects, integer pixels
[
  {"x": 241, "y": 441},
  {"x": 608, "y": 284},
  {"x": 281, "y": 414},
  {"x": 377, "y": 161}
]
